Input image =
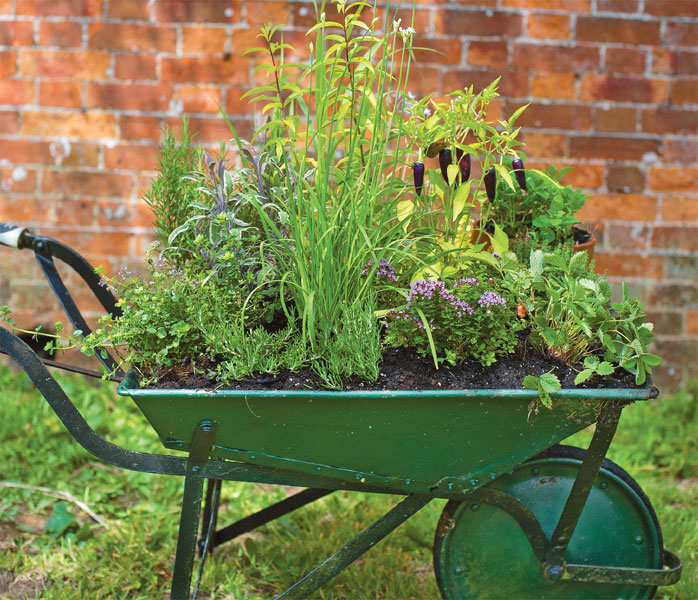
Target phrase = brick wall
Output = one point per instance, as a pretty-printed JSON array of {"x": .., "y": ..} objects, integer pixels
[{"x": 86, "y": 87}]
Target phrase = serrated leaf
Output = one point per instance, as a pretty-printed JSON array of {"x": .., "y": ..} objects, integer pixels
[
  {"x": 582, "y": 376},
  {"x": 605, "y": 368},
  {"x": 651, "y": 359},
  {"x": 591, "y": 362},
  {"x": 550, "y": 383},
  {"x": 530, "y": 382}
]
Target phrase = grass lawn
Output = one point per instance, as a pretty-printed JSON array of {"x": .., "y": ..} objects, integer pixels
[{"x": 51, "y": 548}]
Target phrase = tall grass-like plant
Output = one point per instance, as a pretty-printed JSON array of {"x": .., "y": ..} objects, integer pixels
[{"x": 335, "y": 125}]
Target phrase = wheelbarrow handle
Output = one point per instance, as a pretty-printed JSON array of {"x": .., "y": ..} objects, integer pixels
[
  {"x": 11, "y": 235},
  {"x": 75, "y": 423},
  {"x": 45, "y": 250}
]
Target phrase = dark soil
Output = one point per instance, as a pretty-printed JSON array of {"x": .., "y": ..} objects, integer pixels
[{"x": 403, "y": 369}]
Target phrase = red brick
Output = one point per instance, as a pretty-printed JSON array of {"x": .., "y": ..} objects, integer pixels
[
  {"x": 17, "y": 179},
  {"x": 63, "y": 63},
  {"x": 440, "y": 51},
  {"x": 623, "y": 89},
  {"x": 673, "y": 8},
  {"x": 666, "y": 322},
  {"x": 132, "y": 37},
  {"x": 478, "y": 23},
  {"x": 128, "y": 96},
  {"x": 684, "y": 91},
  {"x": 137, "y": 127},
  {"x": 548, "y": 26},
  {"x": 76, "y": 211},
  {"x": 556, "y": 116},
  {"x": 9, "y": 121},
  {"x": 60, "y": 93},
  {"x": 135, "y": 67},
  {"x": 199, "y": 99},
  {"x": 118, "y": 213},
  {"x": 623, "y": 6},
  {"x": 625, "y": 60},
  {"x": 553, "y": 85},
  {"x": 615, "y": 119},
  {"x": 488, "y": 54},
  {"x": 674, "y": 62},
  {"x": 23, "y": 209},
  {"x": 16, "y": 33},
  {"x": 513, "y": 83},
  {"x": 22, "y": 151},
  {"x": 673, "y": 294},
  {"x": 5, "y": 7},
  {"x": 8, "y": 63},
  {"x": 681, "y": 34},
  {"x": 201, "y": 11},
  {"x": 692, "y": 322},
  {"x": 59, "y": 8},
  {"x": 683, "y": 238},
  {"x": 545, "y": 145},
  {"x": 614, "y": 148},
  {"x": 66, "y": 34},
  {"x": 74, "y": 154},
  {"x": 682, "y": 150},
  {"x": 619, "y": 207},
  {"x": 587, "y": 176},
  {"x": 131, "y": 157},
  {"x": 233, "y": 71},
  {"x": 573, "y": 6},
  {"x": 624, "y": 31},
  {"x": 128, "y": 9},
  {"x": 86, "y": 183},
  {"x": 669, "y": 120},
  {"x": 16, "y": 92},
  {"x": 206, "y": 40},
  {"x": 90, "y": 125},
  {"x": 270, "y": 11},
  {"x": 674, "y": 179},
  {"x": 235, "y": 104},
  {"x": 630, "y": 265},
  {"x": 215, "y": 129},
  {"x": 628, "y": 237},
  {"x": 556, "y": 58},
  {"x": 625, "y": 178}
]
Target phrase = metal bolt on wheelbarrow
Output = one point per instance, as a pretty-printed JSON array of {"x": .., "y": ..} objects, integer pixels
[{"x": 525, "y": 518}]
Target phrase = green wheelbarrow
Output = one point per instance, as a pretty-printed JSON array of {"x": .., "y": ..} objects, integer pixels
[{"x": 525, "y": 517}]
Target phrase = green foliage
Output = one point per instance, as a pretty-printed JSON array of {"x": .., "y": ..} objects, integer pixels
[
  {"x": 572, "y": 314},
  {"x": 170, "y": 193},
  {"x": 542, "y": 216},
  {"x": 592, "y": 366},
  {"x": 546, "y": 384}
]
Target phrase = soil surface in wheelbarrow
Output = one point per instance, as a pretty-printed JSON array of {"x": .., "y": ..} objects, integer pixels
[{"x": 403, "y": 369}]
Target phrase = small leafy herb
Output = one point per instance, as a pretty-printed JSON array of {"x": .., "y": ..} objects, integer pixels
[{"x": 546, "y": 384}]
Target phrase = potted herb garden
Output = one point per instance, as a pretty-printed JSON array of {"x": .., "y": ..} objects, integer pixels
[{"x": 325, "y": 294}]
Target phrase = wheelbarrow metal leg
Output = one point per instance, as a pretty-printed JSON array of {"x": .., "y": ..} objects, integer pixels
[
  {"x": 191, "y": 507},
  {"x": 210, "y": 519},
  {"x": 360, "y": 544},
  {"x": 588, "y": 471}
]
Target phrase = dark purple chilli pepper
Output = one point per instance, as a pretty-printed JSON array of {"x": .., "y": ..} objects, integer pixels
[
  {"x": 464, "y": 164},
  {"x": 418, "y": 173},
  {"x": 491, "y": 184},
  {"x": 445, "y": 160},
  {"x": 518, "y": 165}
]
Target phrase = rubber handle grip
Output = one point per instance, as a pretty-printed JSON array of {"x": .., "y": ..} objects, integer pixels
[{"x": 10, "y": 235}]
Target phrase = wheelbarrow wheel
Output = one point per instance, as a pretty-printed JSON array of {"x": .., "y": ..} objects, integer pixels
[{"x": 480, "y": 551}]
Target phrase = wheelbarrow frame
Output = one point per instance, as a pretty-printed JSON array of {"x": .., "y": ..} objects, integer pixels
[{"x": 200, "y": 465}]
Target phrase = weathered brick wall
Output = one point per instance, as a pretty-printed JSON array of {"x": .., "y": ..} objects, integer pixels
[{"x": 86, "y": 87}]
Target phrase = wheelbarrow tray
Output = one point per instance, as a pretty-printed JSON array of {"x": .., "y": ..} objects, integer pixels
[{"x": 403, "y": 441}]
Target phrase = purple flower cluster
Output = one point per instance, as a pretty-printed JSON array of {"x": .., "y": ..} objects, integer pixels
[
  {"x": 469, "y": 281},
  {"x": 428, "y": 289},
  {"x": 404, "y": 315},
  {"x": 384, "y": 270},
  {"x": 490, "y": 299}
]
